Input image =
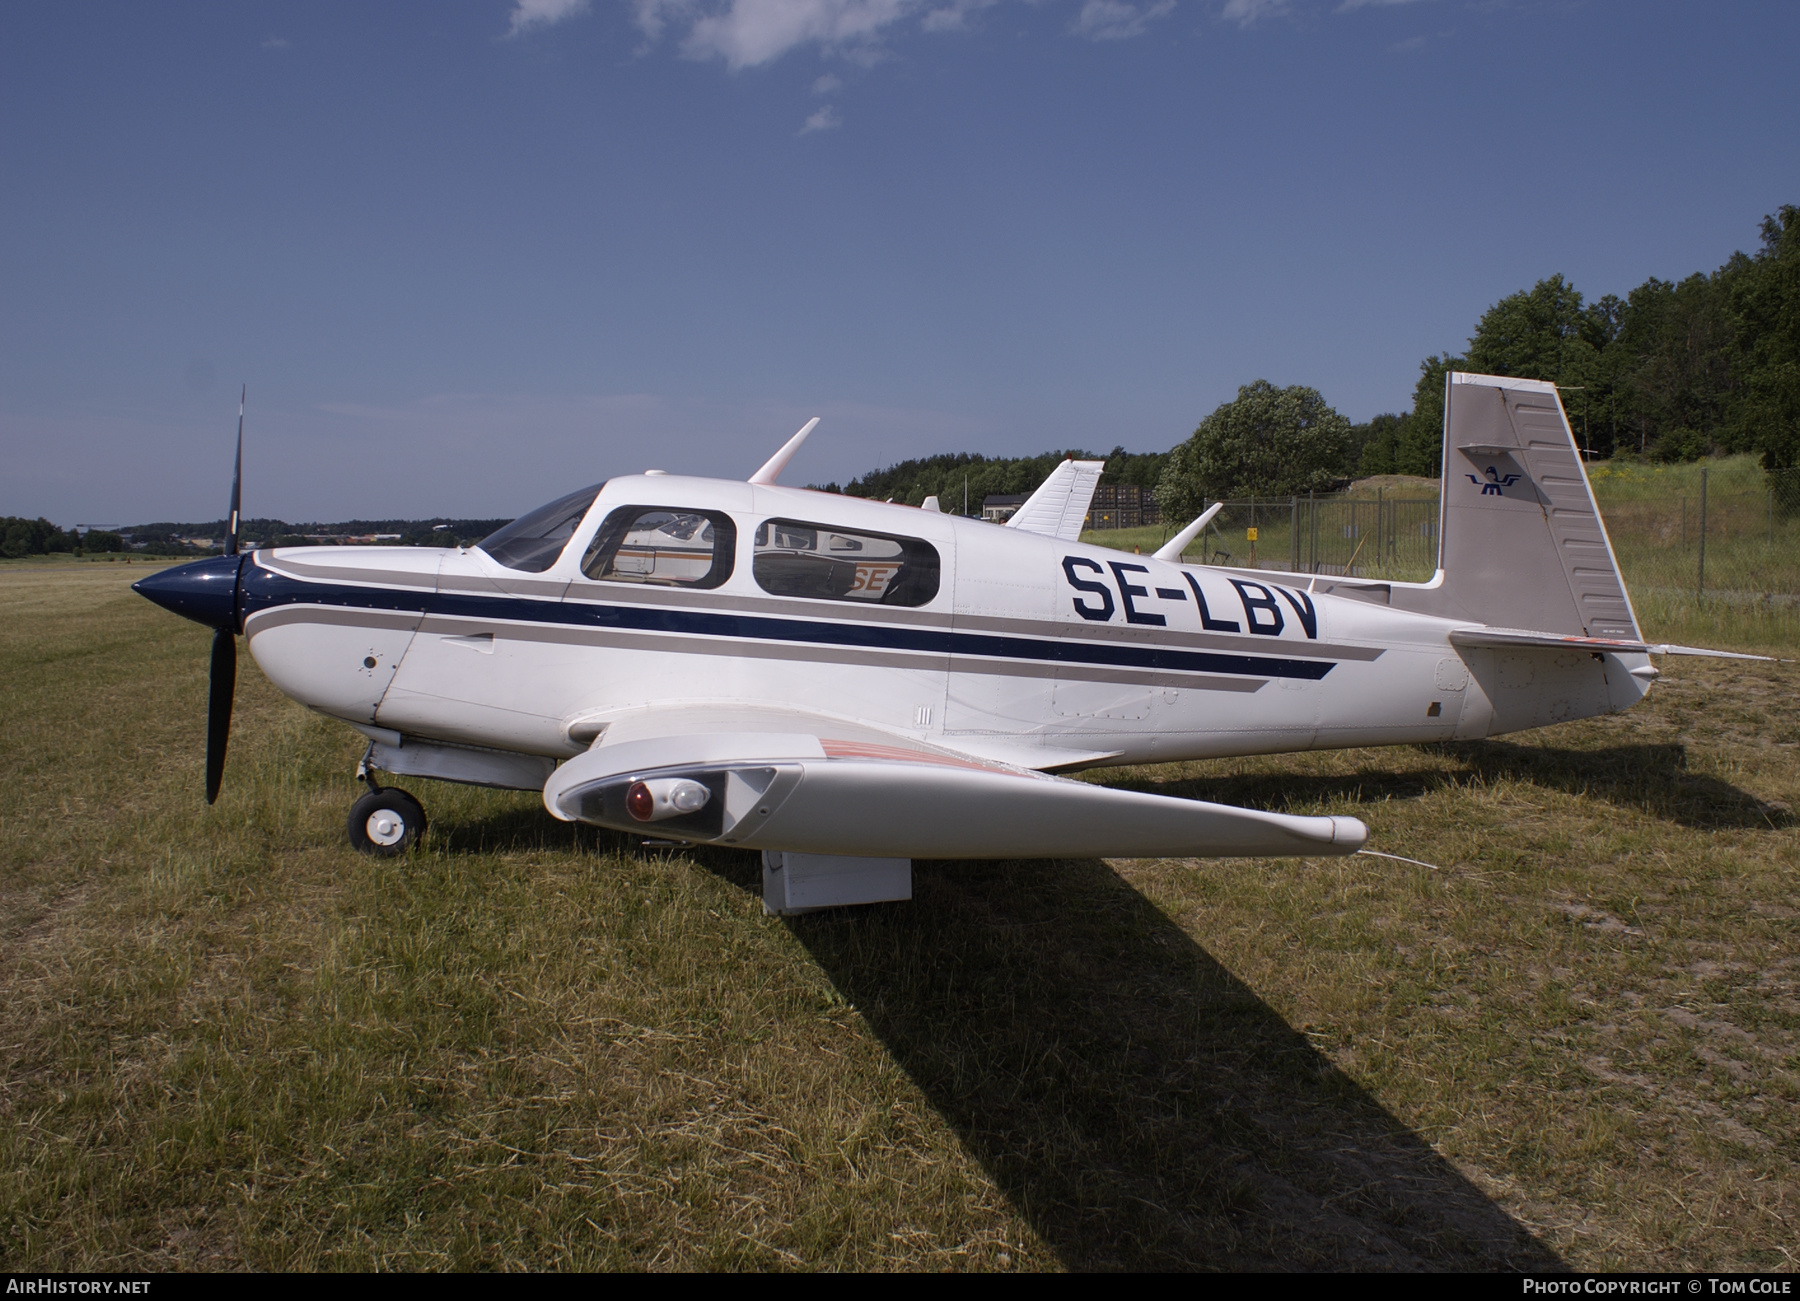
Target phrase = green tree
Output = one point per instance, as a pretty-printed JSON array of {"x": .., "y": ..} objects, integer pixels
[
  {"x": 1419, "y": 443},
  {"x": 1268, "y": 442},
  {"x": 1374, "y": 443},
  {"x": 1534, "y": 334},
  {"x": 1673, "y": 371},
  {"x": 31, "y": 537},
  {"x": 1764, "y": 294}
]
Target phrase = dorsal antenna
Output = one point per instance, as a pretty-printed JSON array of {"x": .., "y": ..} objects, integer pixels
[{"x": 773, "y": 467}]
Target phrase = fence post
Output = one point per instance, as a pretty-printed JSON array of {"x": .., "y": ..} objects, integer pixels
[
  {"x": 1700, "y": 587},
  {"x": 1294, "y": 534},
  {"x": 1381, "y": 528}
]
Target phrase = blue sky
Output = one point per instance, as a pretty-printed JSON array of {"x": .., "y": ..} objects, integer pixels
[{"x": 465, "y": 254}]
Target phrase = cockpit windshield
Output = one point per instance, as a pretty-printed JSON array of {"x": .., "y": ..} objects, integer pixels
[{"x": 533, "y": 542}]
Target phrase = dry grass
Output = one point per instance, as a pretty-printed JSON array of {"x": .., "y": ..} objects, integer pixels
[{"x": 230, "y": 1042}]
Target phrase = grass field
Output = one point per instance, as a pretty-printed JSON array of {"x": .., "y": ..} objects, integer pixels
[{"x": 231, "y": 1042}]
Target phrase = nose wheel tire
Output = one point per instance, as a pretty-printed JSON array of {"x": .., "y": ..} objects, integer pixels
[{"x": 387, "y": 822}]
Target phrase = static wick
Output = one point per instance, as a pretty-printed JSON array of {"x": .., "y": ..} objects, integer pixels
[{"x": 1400, "y": 858}]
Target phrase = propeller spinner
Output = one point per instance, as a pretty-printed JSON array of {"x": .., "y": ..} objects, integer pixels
[{"x": 207, "y": 591}]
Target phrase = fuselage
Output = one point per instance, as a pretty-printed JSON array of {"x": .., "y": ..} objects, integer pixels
[{"x": 989, "y": 640}]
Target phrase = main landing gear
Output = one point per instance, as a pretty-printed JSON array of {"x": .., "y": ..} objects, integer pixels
[{"x": 387, "y": 821}]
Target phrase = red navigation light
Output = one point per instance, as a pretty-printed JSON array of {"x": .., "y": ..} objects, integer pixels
[{"x": 639, "y": 802}]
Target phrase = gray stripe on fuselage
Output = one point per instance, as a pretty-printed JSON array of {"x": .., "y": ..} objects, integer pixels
[
  {"x": 586, "y": 592},
  {"x": 336, "y": 616},
  {"x": 1248, "y": 644},
  {"x": 562, "y": 635}
]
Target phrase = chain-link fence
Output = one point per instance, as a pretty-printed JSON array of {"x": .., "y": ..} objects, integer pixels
[
  {"x": 1720, "y": 559},
  {"x": 1373, "y": 537}
]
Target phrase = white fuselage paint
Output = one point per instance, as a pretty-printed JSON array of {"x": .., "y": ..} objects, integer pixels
[{"x": 452, "y": 646}]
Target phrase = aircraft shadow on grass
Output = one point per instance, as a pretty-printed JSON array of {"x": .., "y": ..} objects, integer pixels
[
  {"x": 1645, "y": 778},
  {"x": 1138, "y": 1103}
]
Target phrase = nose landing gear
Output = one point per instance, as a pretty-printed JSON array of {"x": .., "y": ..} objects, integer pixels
[{"x": 387, "y": 821}]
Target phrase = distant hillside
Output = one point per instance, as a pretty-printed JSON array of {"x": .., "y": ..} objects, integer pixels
[
  {"x": 944, "y": 476},
  {"x": 441, "y": 531}
]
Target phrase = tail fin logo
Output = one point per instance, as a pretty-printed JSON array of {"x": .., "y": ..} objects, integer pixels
[{"x": 1496, "y": 485}]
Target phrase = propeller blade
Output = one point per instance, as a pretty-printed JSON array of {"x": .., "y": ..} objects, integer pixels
[
  {"x": 218, "y": 707},
  {"x": 237, "y": 484}
]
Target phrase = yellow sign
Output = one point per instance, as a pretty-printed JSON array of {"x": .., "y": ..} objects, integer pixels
[{"x": 1249, "y": 535}]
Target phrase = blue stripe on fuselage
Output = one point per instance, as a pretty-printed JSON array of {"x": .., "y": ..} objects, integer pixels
[{"x": 265, "y": 590}]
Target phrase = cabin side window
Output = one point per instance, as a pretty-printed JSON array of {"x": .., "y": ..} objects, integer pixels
[
  {"x": 822, "y": 561},
  {"x": 664, "y": 546},
  {"x": 533, "y": 542}
]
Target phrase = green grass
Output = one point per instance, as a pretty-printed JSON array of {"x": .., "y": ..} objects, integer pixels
[{"x": 233, "y": 1043}]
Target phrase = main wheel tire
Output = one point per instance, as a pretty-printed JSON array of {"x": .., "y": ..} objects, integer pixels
[{"x": 387, "y": 822}]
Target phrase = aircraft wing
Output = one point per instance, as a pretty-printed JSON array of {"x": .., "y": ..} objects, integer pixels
[
  {"x": 1514, "y": 639},
  {"x": 1060, "y": 505},
  {"x": 766, "y": 779}
]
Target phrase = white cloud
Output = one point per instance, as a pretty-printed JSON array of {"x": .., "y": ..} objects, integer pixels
[
  {"x": 527, "y": 14},
  {"x": 1348, "y": 5},
  {"x": 953, "y": 17},
  {"x": 651, "y": 15},
  {"x": 1114, "y": 20},
  {"x": 749, "y": 33},
  {"x": 1245, "y": 12},
  {"x": 276, "y": 43},
  {"x": 825, "y": 119},
  {"x": 828, "y": 84}
]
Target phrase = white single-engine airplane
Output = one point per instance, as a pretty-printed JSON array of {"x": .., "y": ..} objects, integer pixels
[{"x": 847, "y": 685}]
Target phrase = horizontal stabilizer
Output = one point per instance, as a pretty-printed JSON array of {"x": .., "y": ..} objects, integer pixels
[
  {"x": 1513, "y": 639},
  {"x": 815, "y": 794},
  {"x": 1060, "y": 505}
]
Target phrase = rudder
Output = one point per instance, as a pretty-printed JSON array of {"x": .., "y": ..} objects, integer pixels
[{"x": 1521, "y": 541}]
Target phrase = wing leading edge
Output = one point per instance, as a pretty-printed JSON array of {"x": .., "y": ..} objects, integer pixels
[{"x": 809, "y": 791}]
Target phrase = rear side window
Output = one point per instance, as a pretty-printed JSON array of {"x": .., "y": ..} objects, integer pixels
[
  {"x": 533, "y": 542},
  {"x": 794, "y": 558},
  {"x": 662, "y": 545}
]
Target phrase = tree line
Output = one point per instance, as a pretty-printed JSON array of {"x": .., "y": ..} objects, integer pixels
[
  {"x": 950, "y": 476},
  {"x": 39, "y": 537},
  {"x": 1671, "y": 372}
]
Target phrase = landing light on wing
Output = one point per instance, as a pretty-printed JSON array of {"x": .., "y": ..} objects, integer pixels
[{"x": 667, "y": 797}]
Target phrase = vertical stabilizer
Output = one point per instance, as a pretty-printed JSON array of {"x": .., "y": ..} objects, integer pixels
[
  {"x": 1060, "y": 505},
  {"x": 1522, "y": 544}
]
